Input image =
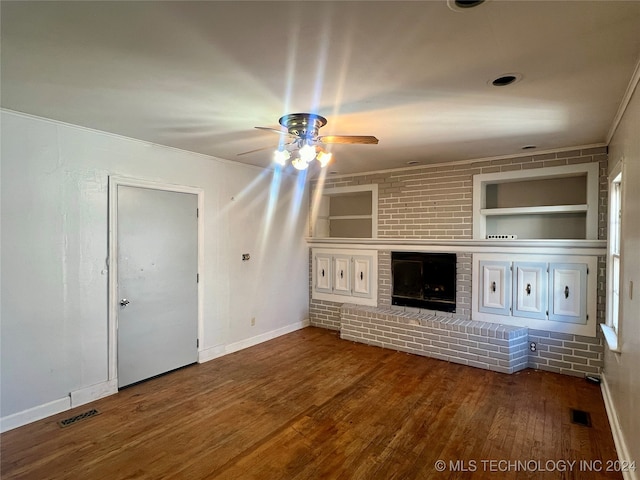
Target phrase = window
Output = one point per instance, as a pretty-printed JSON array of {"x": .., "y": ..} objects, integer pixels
[
  {"x": 614, "y": 250},
  {"x": 612, "y": 327}
]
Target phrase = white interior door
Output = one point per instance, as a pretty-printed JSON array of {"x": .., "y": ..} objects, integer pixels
[{"x": 157, "y": 255}]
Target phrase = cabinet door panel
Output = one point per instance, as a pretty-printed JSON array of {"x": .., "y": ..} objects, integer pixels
[
  {"x": 530, "y": 290},
  {"x": 362, "y": 276},
  {"x": 495, "y": 281},
  {"x": 323, "y": 273},
  {"x": 341, "y": 275},
  {"x": 568, "y": 292}
]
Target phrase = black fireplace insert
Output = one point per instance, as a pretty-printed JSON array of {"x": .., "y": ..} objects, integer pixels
[{"x": 424, "y": 280}]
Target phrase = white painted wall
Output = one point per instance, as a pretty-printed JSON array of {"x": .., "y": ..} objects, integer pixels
[
  {"x": 622, "y": 371},
  {"x": 54, "y": 249}
]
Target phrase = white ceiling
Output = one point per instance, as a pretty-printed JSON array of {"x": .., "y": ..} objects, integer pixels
[{"x": 200, "y": 75}]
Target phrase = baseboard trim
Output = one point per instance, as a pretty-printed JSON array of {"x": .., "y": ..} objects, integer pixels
[
  {"x": 210, "y": 353},
  {"x": 103, "y": 389},
  {"x": 220, "y": 350},
  {"x": 93, "y": 392},
  {"x": 35, "y": 413},
  {"x": 618, "y": 436}
]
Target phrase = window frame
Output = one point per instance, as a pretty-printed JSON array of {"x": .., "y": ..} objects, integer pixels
[{"x": 612, "y": 327}]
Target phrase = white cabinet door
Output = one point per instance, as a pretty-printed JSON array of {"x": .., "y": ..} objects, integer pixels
[
  {"x": 342, "y": 275},
  {"x": 530, "y": 290},
  {"x": 568, "y": 292},
  {"x": 362, "y": 276},
  {"x": 323, "y": 273},
  {"x": 345, "y": 276},
  {"x": 495, "y": 287}
]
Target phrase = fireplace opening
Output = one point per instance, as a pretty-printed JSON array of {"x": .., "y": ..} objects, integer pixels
[{"x": 424, "y": 280}]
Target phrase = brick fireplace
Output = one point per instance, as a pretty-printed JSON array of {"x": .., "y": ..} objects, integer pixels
[
  {"x": 424, "y": 280},
  {"x": 429, "y": 208}
]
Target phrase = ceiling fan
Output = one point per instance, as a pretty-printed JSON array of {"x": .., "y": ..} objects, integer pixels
[{"x": 304, "y": 143}]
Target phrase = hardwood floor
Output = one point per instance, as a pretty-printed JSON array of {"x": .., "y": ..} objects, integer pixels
[{"x": 311, "y": 406}]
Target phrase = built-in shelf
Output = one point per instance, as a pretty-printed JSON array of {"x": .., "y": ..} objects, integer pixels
[
  {"x": 346, "y": 212},
  {"x": 349, "y": 217},
  {"x": 534, "y": 210},
  {"x": 572, "y": 247},
  {"x": 538, "y": 204}
]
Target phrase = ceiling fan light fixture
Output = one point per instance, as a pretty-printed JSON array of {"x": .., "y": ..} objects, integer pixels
[
  {"x": 307, "y": 153},
  {"x": 281, "y": 156},
  {"x": 324, "y": 158},
  {"x": 299, "y": 164},
  {"x": 304, "y": 143},
  {"x": 303, "y": 125}
]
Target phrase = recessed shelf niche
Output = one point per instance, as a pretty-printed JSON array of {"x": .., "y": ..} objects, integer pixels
[
  {"x": 547, "y": 203},
  {"x": 347, "y": 212}
]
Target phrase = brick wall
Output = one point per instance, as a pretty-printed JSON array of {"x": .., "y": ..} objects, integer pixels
[
  {"x": 435, "y": 203},
  {"x": 565, "y": 353},
  {"x": 500, "y": 348}
]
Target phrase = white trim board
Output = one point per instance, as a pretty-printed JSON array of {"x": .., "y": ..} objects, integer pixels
[
  {"x": 93, "y": 392},
  {"x": 114, "y": 183},
  {"x": 221, "y": 350},
  {"x": 624, "y": 103},
  {"x": 548, "y": 247},
  {"x": 35, "y": 413},
  {"x": 74, "y": 399},
  {"x": 618, "y": 436}
]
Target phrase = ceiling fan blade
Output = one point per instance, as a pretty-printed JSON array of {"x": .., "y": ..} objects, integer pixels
[
  {"x": 256, "y": 150},
  {"x": 275, "y": 130},
  {"x": 359, "y": 139},
  {"x": 264, "y": 148}
]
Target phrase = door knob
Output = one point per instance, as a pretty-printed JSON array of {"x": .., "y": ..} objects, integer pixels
[{"x": 124, "y": 302}]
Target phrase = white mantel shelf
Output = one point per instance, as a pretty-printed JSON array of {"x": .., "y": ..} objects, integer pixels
[{"x": 581, "y": 247}]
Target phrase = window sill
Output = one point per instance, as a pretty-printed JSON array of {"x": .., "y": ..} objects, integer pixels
[{"x": 611, "y": 337}]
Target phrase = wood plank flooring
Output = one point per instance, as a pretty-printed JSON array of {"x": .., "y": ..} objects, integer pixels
[{"x": 311, "y": 406}]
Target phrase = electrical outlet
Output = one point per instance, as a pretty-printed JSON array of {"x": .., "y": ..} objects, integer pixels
[
  {"x": 253, "y": 321},
  {"x": 533, "y": 347}
]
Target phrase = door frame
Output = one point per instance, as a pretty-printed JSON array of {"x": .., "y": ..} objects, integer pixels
[{"x": 112, "y": 259}]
